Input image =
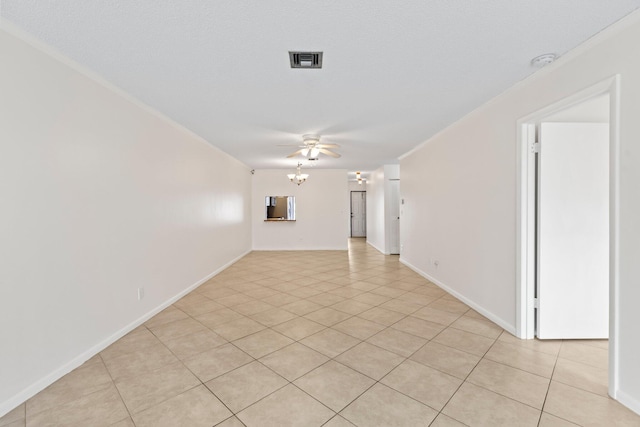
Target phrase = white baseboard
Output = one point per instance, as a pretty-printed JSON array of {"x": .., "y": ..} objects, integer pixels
[
  {"x": 315, "y": 248},
  {"x": 377, "y": 248},
  {"x": 495, "y": 319},
  {"x": 77, "y": 361},
  {"x": 629, "y": 401}
]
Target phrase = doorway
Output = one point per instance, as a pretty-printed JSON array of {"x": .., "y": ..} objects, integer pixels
[
  {"x": 572, "y": 227},
  {"x": 358, "y": 214},
  {"x": 394, "y": 217},
  {"x": 527, "y": 243}
]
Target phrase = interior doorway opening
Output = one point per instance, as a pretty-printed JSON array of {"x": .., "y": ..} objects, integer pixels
[
  {"x": 393, "y": 217},
  {"x": 572, "y": 222},
  {"x": 358, "y": 214},
  {"x": 572, "y": 109}
]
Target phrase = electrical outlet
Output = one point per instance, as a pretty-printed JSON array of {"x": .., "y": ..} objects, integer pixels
[{"x": 140, "y": 293}]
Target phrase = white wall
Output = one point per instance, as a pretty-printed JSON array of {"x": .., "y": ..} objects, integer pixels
[
  {"x": 375, "y": 209},
  {"x": 322, "y": 211},
  {"x": 391, "y": 174},
  {"x": 354, "y": 186},
  {"x": 460, "y": 191},
  {"x": 378, "y": 207},
  {"x": 594, "y": 110},
  {"x": 99, "y": 196}
]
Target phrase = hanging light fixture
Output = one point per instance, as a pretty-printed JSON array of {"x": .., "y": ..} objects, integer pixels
[
  {"x": 298, "y": 177},
  {"x": 359, "y": 178}
]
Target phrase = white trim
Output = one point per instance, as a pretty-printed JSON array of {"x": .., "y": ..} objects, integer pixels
[
  {"x": 377, "y": 248},
  {"x": 616, "y": 28},
  {"x": 614, "y": 239},
  {"x": 525, "y": 237},
  {"x": 303, "y": 249},
  {"x": 628, "y": 401},
  {"x": 38, "y": 386},
  {"x": 525, "y": 253},
  {"x": 495, "y": 319},
  {"x": 37, "y": 44}
]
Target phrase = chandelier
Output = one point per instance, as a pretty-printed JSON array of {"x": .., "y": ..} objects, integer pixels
[{"x": 298, "y": 177}]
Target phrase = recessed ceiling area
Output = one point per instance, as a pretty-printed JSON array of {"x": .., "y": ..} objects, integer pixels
[{"x": 393, "y": 73}]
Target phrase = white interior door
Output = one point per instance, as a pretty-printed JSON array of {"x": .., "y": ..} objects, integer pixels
[
  {"x": 358, "y": 214},
  {"x": 394, "y": 216},
  {"x": 573, "y": 231}
]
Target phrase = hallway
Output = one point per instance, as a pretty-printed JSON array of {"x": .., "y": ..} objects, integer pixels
[{"x": 311, "y": 338}]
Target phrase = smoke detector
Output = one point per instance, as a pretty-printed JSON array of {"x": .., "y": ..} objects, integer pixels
[{"x": 542, "y": 60}]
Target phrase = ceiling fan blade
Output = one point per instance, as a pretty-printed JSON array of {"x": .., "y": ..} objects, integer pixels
[
  {"x": 329, "y": 153},
  {"x": 327, "y": 146},
  {"x": 294, "y": 154}
]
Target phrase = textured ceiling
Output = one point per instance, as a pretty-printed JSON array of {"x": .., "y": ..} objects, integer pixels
[{"x": 394, "y": 74}]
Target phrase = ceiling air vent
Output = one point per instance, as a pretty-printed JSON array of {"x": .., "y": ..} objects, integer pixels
[{"x": 305, "y": 59}]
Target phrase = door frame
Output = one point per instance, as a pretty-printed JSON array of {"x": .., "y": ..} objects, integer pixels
[
  {"x": 351, "y": 212},
  {"x": 392, "y": 220},
  {"x": 525, "y": 222}
]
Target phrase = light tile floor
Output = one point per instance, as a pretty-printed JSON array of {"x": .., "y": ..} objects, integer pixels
[{"x": 328, "y": 338}]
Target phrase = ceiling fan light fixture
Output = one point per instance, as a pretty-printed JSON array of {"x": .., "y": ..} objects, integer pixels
[
  {"x": 309, "y": 138},
  {"x": 312, "y": 148}
]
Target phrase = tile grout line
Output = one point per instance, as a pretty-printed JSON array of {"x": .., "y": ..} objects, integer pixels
[
  {"x": 365, "y": 340},
  {"x": 462, "y": 383},
  {"x": 113, "y": 381},
  {"x": 546, "y": 395},
  {"x": 345, "y": 277}
]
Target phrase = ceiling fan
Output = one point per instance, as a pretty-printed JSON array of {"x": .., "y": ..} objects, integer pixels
[{"x": 312, "y": 148}]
